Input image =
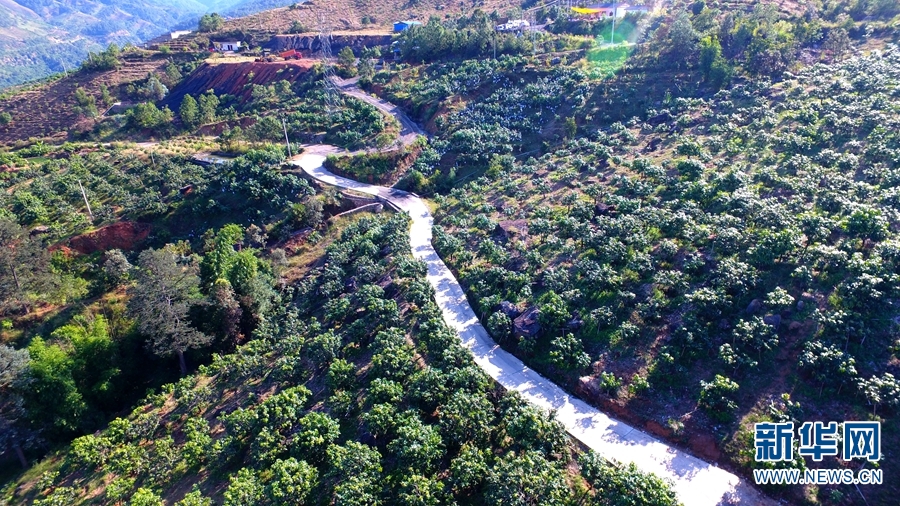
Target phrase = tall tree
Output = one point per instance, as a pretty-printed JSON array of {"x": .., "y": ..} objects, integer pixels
[
  {"x": 347, "y": 60},
  {"x": 209, "y": 105},
  {"x": 24, "y": 267},
  {"x": 13, "y": 377},
  {"x": 837, "y": 42},
  {"x": 161, "y": 298},
  {"x": 189, "y": 112}
]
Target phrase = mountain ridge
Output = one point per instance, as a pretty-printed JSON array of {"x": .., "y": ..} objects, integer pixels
[{"x": 42, "y": 37}]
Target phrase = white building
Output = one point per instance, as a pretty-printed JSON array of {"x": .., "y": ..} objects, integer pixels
[
  {"x": 513, "y": 25},
  {"x": 227, "y": 46}
]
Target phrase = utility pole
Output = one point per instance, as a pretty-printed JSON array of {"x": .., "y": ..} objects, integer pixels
[
  {"x": 615, "y": 14},
  {"x": 83, "y": 194},
  {"x": 286, "y": 141}
]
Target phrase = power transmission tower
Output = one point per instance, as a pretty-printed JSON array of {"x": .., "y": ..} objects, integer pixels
[{"x": 332, "y": 94}]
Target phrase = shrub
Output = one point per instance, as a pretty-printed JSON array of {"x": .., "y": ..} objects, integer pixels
[{"x": 717, "y": 397}]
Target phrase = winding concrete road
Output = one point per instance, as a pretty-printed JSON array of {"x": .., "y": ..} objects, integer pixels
[{"x": 696, "y": 482}]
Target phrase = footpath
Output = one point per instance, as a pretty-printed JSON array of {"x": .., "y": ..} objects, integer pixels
[{"x": 696, "y": 482}]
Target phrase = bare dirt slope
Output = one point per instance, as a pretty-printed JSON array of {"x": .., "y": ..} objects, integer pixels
[{"x": 235, "y": 79}]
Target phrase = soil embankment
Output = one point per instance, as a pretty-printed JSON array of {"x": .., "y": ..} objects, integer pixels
[{"x": 235, "y": 79}]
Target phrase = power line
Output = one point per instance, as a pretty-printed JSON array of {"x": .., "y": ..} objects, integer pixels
[{"x": 332, "y": 94}]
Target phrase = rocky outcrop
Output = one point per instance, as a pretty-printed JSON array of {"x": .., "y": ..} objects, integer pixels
[
  {"x": 509, "y": 309},
  {"x": 512, "y": 229},
  {"x": 773, "y": 320},
  {"x": 310, "y": 42},
  {"x": 526, "y": 325},
  {"x": 755, "y": 306}
]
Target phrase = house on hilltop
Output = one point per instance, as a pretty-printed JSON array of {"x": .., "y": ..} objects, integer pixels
[
  {"x": 227, "y": 46},
  {"x": 400, "y": 26},
  {"x": 513, "y": 25}
]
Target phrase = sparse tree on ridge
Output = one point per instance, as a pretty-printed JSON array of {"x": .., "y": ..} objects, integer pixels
[{"x": 211, "y": 22}]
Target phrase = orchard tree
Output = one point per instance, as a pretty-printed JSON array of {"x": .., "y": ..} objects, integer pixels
[
  {"x": 717, "y": 397},
  {"x": 526, "y": 479},
  {"x": 292, "y": 481},
  {"x": 619, "y": 485},
  {"x": 567, "y": 353},
  {"x": 880, "y": 390},
  {"x": 417, "y": 446},
  {"x": 827, "y": 365},
  {"x": 469, "y": 469},
  {"x": 161, "y": 298}
]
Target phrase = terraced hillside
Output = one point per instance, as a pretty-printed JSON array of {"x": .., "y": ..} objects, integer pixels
[{"x": 48, "y": 110}]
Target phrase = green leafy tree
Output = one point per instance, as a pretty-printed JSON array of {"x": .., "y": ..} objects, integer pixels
[
  {"x": 827, "y": 365},
  {"x": 880, "y": 390},
  {"x": 715, "y": 67},
  {"x": 417, "y": 446},
  {"x": 315, "y": 433},
  {"x": 189, "y": 112},
  {"x": 53, "y": 399},
  {"x": 209, "y": 107},
  {"x": 195, "y": 498},
  {"x": 837, "y": 42},
  {"x": 418, "y": 490},
  {"x": 526, "y": 479},
  {"x": 244, "y": 489},
  {"x": 554, "y": 312},
  {"x": 147, "y": 116},
  {"x": 347, "y": 61},
  {"x": 161, "y": 298},
  {"x": 567, "y": 352},
  {"x": 681, "y": 43},
  {"x": 292, "y": 481},
  {"x": 469, "y": 469},
  {"x": 104, "y": 60},
  {"x": 210, "y": 23},
  {"x": 620, "y": 485},
  {"x": 145, "y": 497},
  {"x": 717, "y": 397},
  {"x": 466, "y": 417},
  {"x": 153, "y": 89},
  {"x": 87, "y": 104},
  {"x": 94, "y": 357}
]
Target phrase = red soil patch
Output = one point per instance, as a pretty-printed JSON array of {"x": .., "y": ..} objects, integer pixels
[
  {"x": 235, "y": 79},
  {"x": 124, "y": 235}
]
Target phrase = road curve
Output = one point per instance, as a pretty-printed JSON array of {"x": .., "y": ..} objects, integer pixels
[{"x": 696, "y": 482}]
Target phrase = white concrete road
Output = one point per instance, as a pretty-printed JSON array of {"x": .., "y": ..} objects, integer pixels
[{"x": 697, "y": 483}]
